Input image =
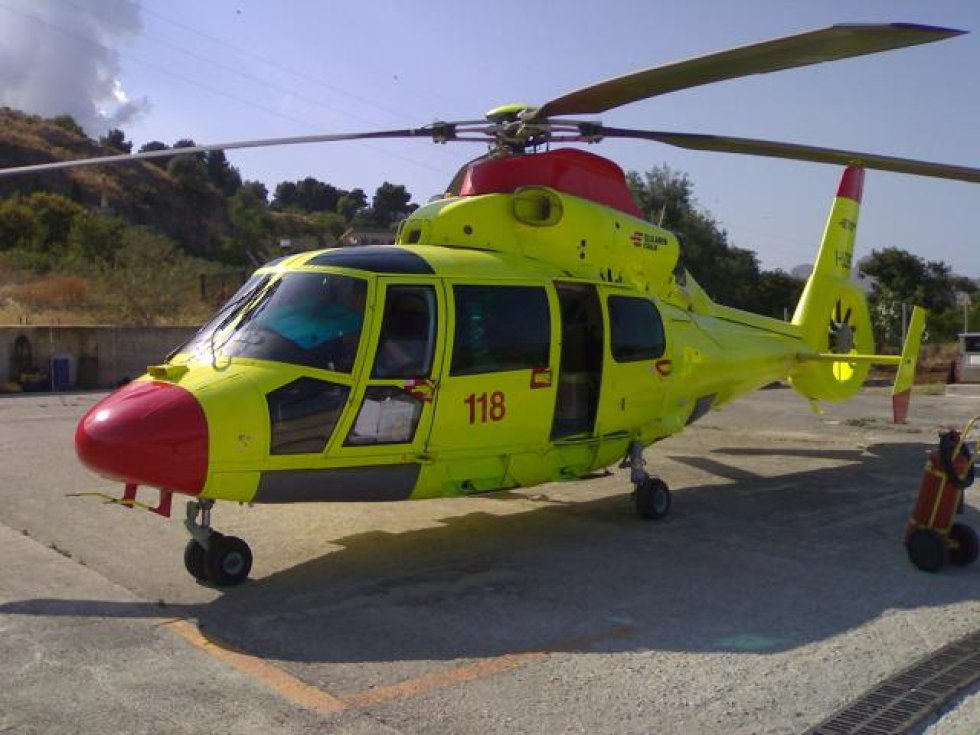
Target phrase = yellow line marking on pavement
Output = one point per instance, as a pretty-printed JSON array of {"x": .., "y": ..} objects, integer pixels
[
  {"x": 445, "y": 678},
  {"x": 310, "y": 697},
  {"x": 486, "y": 667},
  {"x": 285, "y": 684}
]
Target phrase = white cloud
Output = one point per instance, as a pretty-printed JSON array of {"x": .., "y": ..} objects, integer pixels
[{"x": 58, "y": 57}]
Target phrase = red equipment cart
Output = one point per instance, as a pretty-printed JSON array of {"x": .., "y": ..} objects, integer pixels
[{"x": 932, "y": 539}]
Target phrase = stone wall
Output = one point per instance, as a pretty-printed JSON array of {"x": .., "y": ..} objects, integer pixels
[{"x": 99, "y": 357}]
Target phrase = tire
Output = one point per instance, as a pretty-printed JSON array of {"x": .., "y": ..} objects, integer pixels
[
  {"x": 228, "y": 561},
  {"x": 194, "y": 560},
  {"x": 967, "y": 546},
  {"x": 652, "y": 499},
  {"x": 927, "y": 549}
]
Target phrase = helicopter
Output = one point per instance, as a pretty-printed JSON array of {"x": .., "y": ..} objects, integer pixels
[{"x": 528, "y": 326}]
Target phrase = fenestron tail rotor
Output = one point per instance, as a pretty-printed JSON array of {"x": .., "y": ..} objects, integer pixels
[{"x": 841, "y": 334}]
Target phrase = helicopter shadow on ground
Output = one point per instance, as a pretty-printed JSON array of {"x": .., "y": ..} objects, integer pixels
[{"x": 753, "y": 563}]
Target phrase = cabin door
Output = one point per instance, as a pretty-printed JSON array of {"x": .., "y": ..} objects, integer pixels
[
  {"x": 580, "y": 371},
  {"x": 395, "y": 394},
  {"x": 639, "y": 368},
  {"x": 495, "y": 399}
]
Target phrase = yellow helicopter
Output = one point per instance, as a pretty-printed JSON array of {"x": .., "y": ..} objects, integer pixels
[{"x": 528, "y": 326}]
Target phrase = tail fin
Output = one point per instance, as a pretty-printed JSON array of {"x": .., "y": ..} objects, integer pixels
[
  {"x": 833, "y": 314},
  {"x": 902, "y": 390}
]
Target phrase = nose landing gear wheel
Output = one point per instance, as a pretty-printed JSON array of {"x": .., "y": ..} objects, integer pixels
[
  {"x": 194, "y": 560},
  {"x": 209, "y": 556},
  {"x": 228, "y": 561}
]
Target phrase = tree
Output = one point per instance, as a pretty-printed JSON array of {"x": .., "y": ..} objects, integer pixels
[
  {"x": 903, "y": 278},
  {"x": 316, "y": 196},
  {"x": 156, "y": 145},
  {"x": 771, "y": 293},
  {"x": 116, "y": 139},
  {"x": 189, "y": 143},
  {"x": 39, "y": 222},
  {"x": 255, "y": 192},
  {"x": 389, "y": 204},
  {"x": 222, "y": 175},
  {"x": 351, "y": 203},
  {"x": 95, "y": 238},
  {"x": 148, "y": 281},
  {"x": 251, "y": 228},
  {"x": 56, "y": 214},
  {"x": 286, "y": 195},
  {"x": 20, "y": 226},
  {"x": 726, "y": 272},
  {"x": 307, "y": 195},
  {"x": 190, "y": 172},
  {"x": 67, "y": 122},
  {"x": 330, "y": 223}
]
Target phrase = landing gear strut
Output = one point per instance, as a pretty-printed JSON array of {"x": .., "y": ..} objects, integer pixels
[
  {"x": 651, "y": 496},
  {"x": 211, "y": 556}
]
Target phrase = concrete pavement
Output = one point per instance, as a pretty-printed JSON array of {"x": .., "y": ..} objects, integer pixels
[{"x": 777, "y": 591}]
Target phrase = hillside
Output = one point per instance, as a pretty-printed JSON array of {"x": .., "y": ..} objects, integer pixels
[{"x": 140, "y": 193}]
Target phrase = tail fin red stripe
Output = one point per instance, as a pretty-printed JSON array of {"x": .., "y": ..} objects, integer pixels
[{"x": 852, "y": 183}]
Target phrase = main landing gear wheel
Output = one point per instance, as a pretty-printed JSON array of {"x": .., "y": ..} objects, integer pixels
[
  {"x": 652, "y": 498},
  {"x": 210, "y": 556}
]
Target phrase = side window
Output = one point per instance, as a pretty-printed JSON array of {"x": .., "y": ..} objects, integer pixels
[
  {"x": 636, "y": 331},
  {"x": 303, "y": 415},
  {"x": 500, "y": 328},
  {"x": 408, "y": 333},
  {"x": 388, "y": 415}
]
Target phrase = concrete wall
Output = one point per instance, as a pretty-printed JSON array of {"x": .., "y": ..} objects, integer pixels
[{"x": 101, "y": 356}]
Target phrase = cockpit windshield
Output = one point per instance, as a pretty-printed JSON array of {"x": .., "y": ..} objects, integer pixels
[
  {"x": 223, "y": 317},
  {"x": 309, "y": 319}
]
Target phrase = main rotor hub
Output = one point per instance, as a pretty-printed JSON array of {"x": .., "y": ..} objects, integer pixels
[{"x": 511, "y": 113}]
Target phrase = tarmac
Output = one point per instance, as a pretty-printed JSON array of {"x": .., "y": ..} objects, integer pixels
[{"x": 776, "y": 592}]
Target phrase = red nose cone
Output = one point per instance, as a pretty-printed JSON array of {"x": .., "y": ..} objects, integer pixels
[{"x": 147, "y": 433}]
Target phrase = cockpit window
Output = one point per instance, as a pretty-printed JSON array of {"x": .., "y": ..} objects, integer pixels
[
  {"x": 311, "y": 319},
  {"x": 408, "y": 333}
]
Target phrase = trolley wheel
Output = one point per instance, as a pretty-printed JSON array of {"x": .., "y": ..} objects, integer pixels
[
  {"x": 927, "y": 549},
  {"x": 228, "y": 561},
  {"x": 194, "y": 560},
  {"x": 966, "y": 546},
  {"x": 652, "y": 498}
]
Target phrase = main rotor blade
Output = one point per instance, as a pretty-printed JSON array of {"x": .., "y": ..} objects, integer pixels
[
  {"x": 171, "y": 152},
  {"x": 774, "y": 149},
  {"x": 803, "y": 49}
]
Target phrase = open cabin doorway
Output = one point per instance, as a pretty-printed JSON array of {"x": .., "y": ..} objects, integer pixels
[{"x": 580, "y": 371}]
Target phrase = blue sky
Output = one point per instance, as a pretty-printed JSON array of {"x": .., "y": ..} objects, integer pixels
[{"x": 224, "y": 70}]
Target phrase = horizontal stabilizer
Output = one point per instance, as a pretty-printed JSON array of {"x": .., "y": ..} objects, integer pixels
[{"x": 850, "y": 358}]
